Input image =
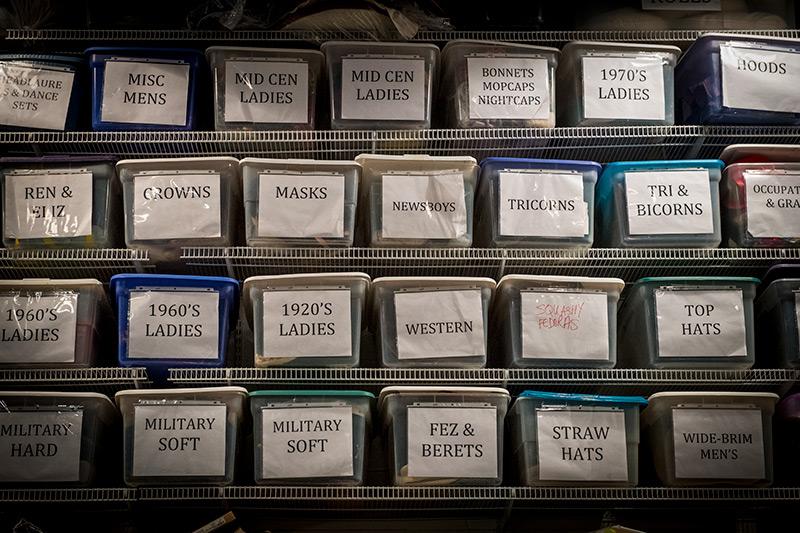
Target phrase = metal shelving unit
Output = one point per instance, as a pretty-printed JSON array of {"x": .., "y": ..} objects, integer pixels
[
  {"x": 105, "y": 380},
  {"x": 67, "y": 496},
  {"x": 99, "y": 263}
]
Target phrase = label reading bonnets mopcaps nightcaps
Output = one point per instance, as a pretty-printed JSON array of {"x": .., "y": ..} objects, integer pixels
[
  {"x": 423, "y": 206},
  {"x": 773, "y": 204},
  {"x": 34, "y": 96},
  {"x": 38, "y": 328},
  {"x": 266, "y": 91},
  {"x": 300, "y": 205},
  {"x": 508, "y": 87},
  {"x": 383, "y": 88},
  {"x": 760, "y": 79},
  {"x": 628, "y": 87}
]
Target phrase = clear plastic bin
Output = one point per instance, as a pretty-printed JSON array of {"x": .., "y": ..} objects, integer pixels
[
  {"x": 444, "y": 435},
  {"x": 787, "y": 439},
  {"x": 711, "y": 438},
  {"x": 777, "y": 324},
  {"x": 181, "y": 436},
  {"x": 311, "y": 437}
]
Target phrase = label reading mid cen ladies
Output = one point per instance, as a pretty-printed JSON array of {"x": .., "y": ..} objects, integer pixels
[{"x": 381, "y": 88}]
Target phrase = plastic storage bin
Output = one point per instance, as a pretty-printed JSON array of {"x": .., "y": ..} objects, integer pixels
[
  {"x": 498, "y": 85},
  {"x": 145, "y": 88},
  {"x": 265, "y": 88},
  {"x": 711, "y": 438},
  {"x": 556, "y": 321},
  {"x": 738, "y": 79},
  {"x": 300, "y": 202},
  {"x": 444, "y": 435},
  {"x": 432, "y": 322},
  {"x": 417, "y": 200},
  {"x": 381, "y": 85},
  {"x": 60, "y": 202},
  {"x": 306, "y": 319},
  {"x": 72, "y": 448},
  {"x": 310, "y": 437},
  {"x": 566, "y": 440},
  {"x": 787, "y": 438},
  {"x": 616, "y": 84},
  {"x": 535, "y": 203},
  {"x": 181, "y": 436},
  {"x": 651, "y": 204},
  {"x": 777, "y": 323},
  {"x": 40, "y": 91}
]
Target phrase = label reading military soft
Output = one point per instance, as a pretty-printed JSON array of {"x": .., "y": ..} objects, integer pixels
[
  {"x": 670, "y": 202},
  {"x": 266, "y": 92},
  {"x": 179, "y": 206},
  {"x": 34, "y": 97},
  {"x": 145, "y": 93},
  {"x": 40, "y": 446},
  {"x": 760, "y": 79},
  {"x": 623, "y": 88},
  {"x": 383, "y": 89},
  {"x": 38, "y": 329},
  {"x": 773, "y": 204},
  {"x": 423, "y": 207},
  {"x": 508, "y": 87},
  {"x": 300, "y": 205}
]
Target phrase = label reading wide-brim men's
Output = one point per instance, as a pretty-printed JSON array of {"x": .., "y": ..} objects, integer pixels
[
  {"x": 773, "y": 204},
  {"x": 301, "y": 205},
  {"x": 383, "y": 88},
  {"x": 423, "y": 207},
  {"x": 760, "y": 79},
  {"x": 630, "y": 88},
  {"x": 35, "y": 328},
  {"x": 266, "y": 91},
  {"x": 34, "y": 97},
  {"x": 509, "y": 88}
]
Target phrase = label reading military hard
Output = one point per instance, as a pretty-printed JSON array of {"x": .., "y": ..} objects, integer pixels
[
  {"x": 669, "y": 203},
  {"x": 623, "y": 88},
  {"x": 508, "y": 87},
  {"x": 177, "y": 206},
  {"x": 38, "y": 329},
  {"x": 266, "y": 92},
  {"x": 300, "y": 205},
  {"x": 40, "y": 446},
  {"x": 34, "y": 97},
  {"x": 682, "y": 5},
  {"x": 173, "y": 325},
  {"x": 145, "y": 93},
  {"x": 382, "y": 88},
  {"x": 760, "y": 79},
  {"x": 423, "y": 207},
  {"x": 773, "y": 204}
]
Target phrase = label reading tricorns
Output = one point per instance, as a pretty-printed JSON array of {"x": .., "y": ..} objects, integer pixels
[
  {"x": 160, "y": 200},
  {"x": 300, "y": 205},
  {"x": 760, "y": 79},
  {"x": 669, "y": 202},
  {"x": 508, "y": 88},
  {"x": 266, "y": 91},
  {"x": 773, "y": 204},
  {"x": 423, "y": 207},
  {"x": 383, "y": 88},
  {"x": 34, "y": 97},
  {"x": 623, "y": 88},
  {"x": 38, "y": 329}
]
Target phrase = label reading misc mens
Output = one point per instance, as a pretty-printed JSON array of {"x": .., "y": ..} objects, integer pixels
[
  {"x": 40, "y": 446},
  {"x": 179, "y": 440},
  {"x": 669, "y": 202},
  {"x": 423, "y": 207},
  {"x": 145, "y": 93},
  {"x": 301, "y": 205},
  {"x": 173, "y": 325},
  {"x": 34, "y": 97},
  {"x": 682, "y": 5},
  {"x": 623, "y": 88},
  {"x": 266, "y": 92},
  {"x": 38, "y": 329},
  {"x": 773, "y": 204},
  {"x": 508, "y": 87},
  {"x": 760, "y": 79},
  {"x": 383, "y": 89}
]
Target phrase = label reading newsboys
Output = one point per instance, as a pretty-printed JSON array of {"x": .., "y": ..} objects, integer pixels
[
  {"x": 266, "y": 91},
  {"x": 508, "y": 87},
  {"x": 173, "y": 325},
  {"x": 34, "y": 97},
  {"x": 701, "y": 323},
  {"x": 382, "y": 88},
  {"x": 307, "y": 323},
  {"x": 176, "y": 206},
  {"x": 179, "y": 440},
  {"x": 40, "y": 446},
  {"x": 718, "y": 443},
  {"x": 623, "y": 88},
  {"x": 145, "y": 93},
  {"x": 459, "y": 442},
  {"x": 423, "y": 207},
  {"x": 669, "y": 202},
  {"x": 38, "y": 329},
  {"x": 773, "y": 204},
  {"x": 301, "y": 205},
  {"x": 682, "y": 5},
  {"x": 760, "y": 79},
  {"x": 307, "y": 442}
]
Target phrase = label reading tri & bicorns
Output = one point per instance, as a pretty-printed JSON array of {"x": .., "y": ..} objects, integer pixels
[
  {"x": 674, "y": 202},
  {"x": 38, "y": 328}
]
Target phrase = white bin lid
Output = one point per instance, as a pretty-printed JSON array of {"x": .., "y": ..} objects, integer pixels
[
  {"x": 365, "y": 159},
  {"x": 174, "y": 163},
  {"x": 259, "y": 161},
  {"x": 627, "y": 47},
  {"x": 501, "y": 44},
  {"x": 101, "y": 402},
  {"x": 766, "y": 399},
  {"x": 207, "y": 392},
  {"x": 428, "y": 389},
  {"x": 47, "y": 283},
  {"x": 406, "y": 282},
  {"x": 282, "y": 51},
  {"x": 522, "y": 281},
  {"x": 780, "y": 153},
  {"x": 364, "y": 44}
]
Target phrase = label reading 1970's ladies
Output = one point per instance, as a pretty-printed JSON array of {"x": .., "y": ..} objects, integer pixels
[
  {"x": 773, "y": 204},
  {"x": 669, "y": 202},
  {"x": 300, "y": 205},
  {"x": 145, "y": 93},
  {"x": 266, "y": 91},
  {"x": 508, "y": 88},
  {"x": 38, "y": 329},
  {"x": 423, "y": 207},
  {"x": 382, "y": 88},
  {"x": 760, "y": 79},
  {"x": 623, "y": 88},
  {"x": 33, "y": 96}
]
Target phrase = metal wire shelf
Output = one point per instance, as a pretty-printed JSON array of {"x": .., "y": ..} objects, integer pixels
[
  {"x": 66, "y": 495},
  {"x": 104, "y": 380},
  {"x": 99, "y": 263}
]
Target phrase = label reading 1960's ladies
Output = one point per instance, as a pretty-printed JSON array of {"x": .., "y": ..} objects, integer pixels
[
  {"x": 760, "y": 79},
  {"x": 266, "y": 91},
  {"x": 773, "y": 204},
  {"x": 669, "y": 202},
  {"x": 40, "y": 446},
  {"x": 38, "y": 329},
  {"x": 34, "y": 97},
  {"x": 508, "y": 88},
  {"x": 423, "y": 207},
  {"x": 623, "y": 88},
  {"x": 383, "y": 88},
  {"x": 145, "y": 93},
  {"x": 301, "y": 205}
]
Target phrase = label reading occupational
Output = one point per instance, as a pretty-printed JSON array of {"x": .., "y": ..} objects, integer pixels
[
  {"x": 773, "y": 204},
  {"x": 145, "y": 93},
  {"x": 623, "y": 88},
  {"x": 266, "y": 92},
  {"x": 702, "y": 323},
  {"x": 179, "y": 440},
  {"x": 508, "y": 87},
  {"x": 582, "y": 445},
  {"x": 176, "y": 206},
  {"x": 40, "y": 446},
  {"x": 307, "y": 442},
  {"x": 458, "y": 442},
  {"x": 173, "y": 325},
  {"x": 383, "y": 89},
  {"x": 423, "y": 207},
  {"x": 675, "y": 203},
  {"x": 301, "y": 205},
  {"x": 760, "y": 79},
  {"x": 38, "y": 329},
  {"x": 682, "y": 5},
  {"x": 718, "y": 443},
  {"x": 34, "y": 97}
]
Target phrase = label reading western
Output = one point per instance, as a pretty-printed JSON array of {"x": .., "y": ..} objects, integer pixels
[
  {"x": 542, "y": 204},
  {"x": 760, "y": 79},
  {"x": 669, "y": 202},
  {"x": 508, "y": 87},
  {"x": 307, "y": 442},
  {"x": 307, "y": 323},
  {"x": 40, "y": 446},
  {"x": 173, "y": 325},
  {"x": 773, "y": 204},
  {"x": 585, "y": 445},
  {"x": 179, "y": 440},
  {"x": 382, "y": 88},
  {"x": 623, "y": 88},
  {"x": 161, "y": 201},
  {"x": 301, "y": 205},
  {"x": 34, "y": 97},
  {"x": 423, "y": 207},
  {"x": 38, "y": 329},
  {"x": 701, "y": 323},
  {"x": 564, "y": 325},
  {"x": 145, "y": 93},
  {"x": 459, "y": 442},
  {"x": 266, "y": 91},
  {"x": 682, "y": 5},
  {"x": 718, "y": 443}
]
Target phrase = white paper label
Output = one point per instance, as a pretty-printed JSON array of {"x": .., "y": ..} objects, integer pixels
[
  {"x": 145, "y": 93},
  {"x": 382, "y": 88},
  {"x": 773, "y": 204},
  {"x": 669, "y": 202},
  {"x": 629, "y": 88},
  {"x": 701, "y": 323},
  {"x": 542, "y": 205},
  {"x": 40, "y": 446},
  {"x": 173, "y": 325},
  {"x": 682, "y": 5},
  {"x": 718, "y": 443},
  {"x": 423, "y": 207},
  {"x": 34, "y": 97},
  {"x": 307, "y": 442},
  {"x": 300, "y": 205},
  {"x": 179, "y": 440},
  {"x": 266, "y": 92},
  {"x": 177, "y": 206},
  {"x": 458, "y": 442},
  {"x": 38, "y": 329},
  {"x": 760, "y": 79},
  {"x": 587, "y": 445},
  {"x": 307, "y": 323},
  {"x": 564, "y": 325},
  {"x": 508, "y": 87}
]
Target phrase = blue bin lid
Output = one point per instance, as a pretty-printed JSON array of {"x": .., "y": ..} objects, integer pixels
[
  {"x": 584, "y": 398},
  {"x": 605, "y": 185},
  {"x": 589, "y": 165},
  {"x": 170, "y": 280},
  {"x": 307, "y": 392}
]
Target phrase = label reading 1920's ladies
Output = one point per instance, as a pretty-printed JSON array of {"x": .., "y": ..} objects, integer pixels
[
  {"x": 301, "y": 205},
  {"x": 266, "y": 92},
  {"x": 34, "y": 97},
  {"x": 40, "y": 446},
  {"x": 145, "y": 93},
  {"x": 423, "y": 207},
  {"x": 508, "y": 88},
  {"x": 669, "y": 202},
  {"x": 760, "y": 79},
  {"x": 382, "y": 88},
  {"x": 623, "y": 88},
  {"x": 773, "y": 204},
  {"x": 38, "y": 329}
]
